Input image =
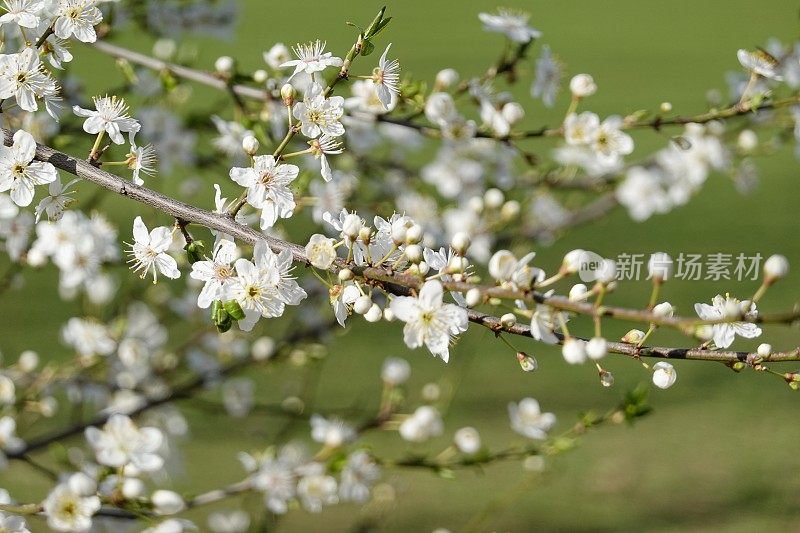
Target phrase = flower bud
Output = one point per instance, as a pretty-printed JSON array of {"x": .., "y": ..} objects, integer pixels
[
  {"x": 572, "y": 261},
  {"x": 775, "y": 267},
  {"x": 362, "y": 304},
  {"x": 577, "y": 292},
  {"x": 320, "y": 251},
  {"x": 445, "y": 79},
  {"x": 473, "y": 297},
  {"x": 764, "y": 349},
  {"x": 28, "y": 361},
  {"x": 660, "y": 266},
  {"x": 388, "y": 316},
  {"x": 224, "y": 65},
  {"x": 664, "y": 310},
  {"x": 634, "y": 336},
  {"x": 288, "y": 94},
  {"x": 345, "y": 274},
  {"x": 513, "y": 112},
  {"x": 664, "y": 375},
  {"x": 582, "y": 85},
  {"x": 365, "y": 234},
  {"x": 260, "y": 76},
  {"x": 414, "y": 234},
  {"x": 250, "y": 145},
  {"x": 596, "y": 348},
  {"x": 510, "y": 210},
  {"x": 493, "y": 198},
  {"x": 440, "y": 108},
  {"x": 508, "y": 320},
  {"x": 374, "y": 314},
  {"x": 467, "y": 440},
  {"x": 431, "y": 392},
  {"x": 399, "y": 232},
  {"x": 166, "y": 502},
  {"x": 475, "y": 204},
  {"x": 164, "y": 49},
  {"x": 574, "y": 351},
  {"x": 665, "y": 107},
  {"x": 460, "y": 242},
  {"x": 352, "y": 226},
  {"x": 263, "y": 348},
  {"x": 607, "y": 271},
  {"x": 747, "y": 141},
  {"x": 527, "y": 362},
  {"x": 395, "y": 371},
  {"x": 132, "y": 488},
  {"x": 413, "y": 252},
  {"x": 423, "y": 268}
]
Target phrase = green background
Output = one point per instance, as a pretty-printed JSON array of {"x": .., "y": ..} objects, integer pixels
[{"x": 720, "y": 451}]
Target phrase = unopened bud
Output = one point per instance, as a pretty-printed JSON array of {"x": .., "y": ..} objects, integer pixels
[
  {"x": 764, "y": 349},
  {"x": 250, "y": 145},
  {"x": 224, "y": 65},
  {"x": 634, "y": 336},
  {"x": 365, "y": 234},
  {"x": 508, "y": 320},
  {"x": 493, "y": 198},
  {"x": 528, "y": 363},
  {"x": 345, "y": 274},
  {"x": 414, "y": 253},
  {"x": 362, "y": 304},
  {"x": 374, "y": 314},
  {"x": 775, "y": 267},
  {"x": 288, "y": 94},
  {"x": 460, "y": 242},
  {"x": 510, "y": 210},
  {"x": 473, "y": 297},
  {"x": 414, "y": 234},
  {"x": 445, "y": 79},
  {"x": 260, "y": 76},
  {"x": 596, "y": 348},
  {"x": 577, "y": 292},
  {"x": 665, "y": 107}
]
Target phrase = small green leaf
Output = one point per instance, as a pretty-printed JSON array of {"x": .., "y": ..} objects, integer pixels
[
  {"x": 367, "y": 48},
  {"x": 234, "y": 310},
  {"x": 194, "y": 251}
]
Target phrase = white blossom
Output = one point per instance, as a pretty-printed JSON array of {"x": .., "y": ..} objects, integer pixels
[
  {"x": 664, "y": 375},
  {"x": 332, "y": 432},
  {"x": 311, "y": 58},
  {"x": 267, "y": 184},
  {"x": 68, "y": 511},
  {"x": 217, "y": 273},
  {"x": 428, "y": 320},
  {"x": 121, "y": 443},
  {"x": 727, "y": 308},
  {"x": 110, "y": 116},
  {"x": 513, "y": 24},
  {"x": 19, "y": 173},
  {"x": 24, "y": 13},
  {"x": 319, "y": 115},
  {"x": 78, "y": 18},
  {"x": 264, "y": 286},
  {"x": 527, "y": 419},
  {"x": 149, "y": 251},
  {"x": 23, "y": 77}
]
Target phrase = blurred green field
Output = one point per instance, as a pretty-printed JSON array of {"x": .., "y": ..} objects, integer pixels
[{"x": 720, "y": 450}]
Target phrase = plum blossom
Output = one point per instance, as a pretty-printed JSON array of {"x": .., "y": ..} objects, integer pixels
[
  {"x": 68, "y": 511},
  {"x": 428, "y": 320},
  {"x": 149, "y": 251},
  {"x": 24, "y": 13},
  {"x": 23, "y": 77},
  {"x": 110, "y": 116},
  {"x": 528, "y": 419},
  {"x": 19, "y": 173},
  {"x": 121, "y": 443},
  {"x": 311, "y": 58},
  {"x": 319, "y": 115},
  {"x": 512, "y": 24},
  {"x": 263, "y": 287},
  {"x": 217, "y": 273},
  {"x": 727, "y": 307},
  {"x": 267, "y": 184},
  {"x": 78, "y": 18}
]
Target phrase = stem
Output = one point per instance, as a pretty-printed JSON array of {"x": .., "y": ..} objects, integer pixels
[{"x": 93, "y": 154}]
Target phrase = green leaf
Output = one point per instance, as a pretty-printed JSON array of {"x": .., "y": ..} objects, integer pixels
[
  {"x": 195, "y": 251},
  {"x": 234, "y": 310},
  {"x": 367, "y": 48},
  {"x": 373, "y": 26},
  {"x": 381, "y": 25}
]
